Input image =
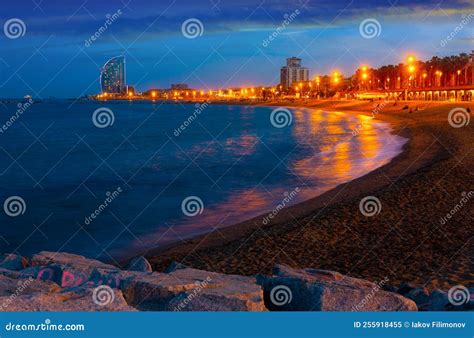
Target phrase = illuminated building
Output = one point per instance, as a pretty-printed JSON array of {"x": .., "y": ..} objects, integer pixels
[{"x": 112, "y": 76}]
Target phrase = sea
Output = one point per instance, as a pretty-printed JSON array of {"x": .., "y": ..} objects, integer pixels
[{"x": 113, "y": 179}]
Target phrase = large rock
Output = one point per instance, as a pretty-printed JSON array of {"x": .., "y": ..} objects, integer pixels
[
  {"x": 63, "y": 258},
  {"x": 14, "y": 286},
  {"x": 73, "y": 270},
  {"x": 191, "y": 290},
  {"x": 437, "y": 300},
  {"x": 139, "y": 264},
  {"x": 13, "y": 262},
  {"x": 321, "y": 290},
  {"x": 77, "y": 299}
]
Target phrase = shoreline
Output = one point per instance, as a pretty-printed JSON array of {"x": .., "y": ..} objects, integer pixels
[{"x": 420, "y": 153}]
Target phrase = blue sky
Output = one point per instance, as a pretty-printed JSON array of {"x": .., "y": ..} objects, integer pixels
[{"x": 52, "y": 59}]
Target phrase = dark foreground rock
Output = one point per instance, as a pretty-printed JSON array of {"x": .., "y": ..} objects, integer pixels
[
  {"x": 139, "y": 264},
  {"x": 12, "y": 262},
  {"x": 65, "y": 282},
  {"x": 320, "y": 290},
  {"x": 462, "y": 299}
]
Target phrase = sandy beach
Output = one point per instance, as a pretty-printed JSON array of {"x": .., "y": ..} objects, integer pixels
[{"x": 408, "y": 241}]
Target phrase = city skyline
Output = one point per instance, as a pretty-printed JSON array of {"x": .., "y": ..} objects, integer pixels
[{"x": 244, "y": 46}]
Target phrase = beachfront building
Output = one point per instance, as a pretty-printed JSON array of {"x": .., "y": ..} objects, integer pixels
[
  {"x": 293, "y": 72},
  {"x": 112, "y": 76}
]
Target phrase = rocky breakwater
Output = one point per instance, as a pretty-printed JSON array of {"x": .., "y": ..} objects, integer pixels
[{"x": 65, "y": 282}]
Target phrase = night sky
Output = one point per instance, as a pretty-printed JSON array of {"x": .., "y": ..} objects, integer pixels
[{"x": 52, "y": 58}]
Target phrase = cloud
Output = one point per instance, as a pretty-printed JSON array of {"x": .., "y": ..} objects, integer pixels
[{"x": 149, "y": 19}]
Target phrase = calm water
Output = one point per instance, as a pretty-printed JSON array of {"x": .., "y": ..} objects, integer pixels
[{"x": 231, "y": 157}]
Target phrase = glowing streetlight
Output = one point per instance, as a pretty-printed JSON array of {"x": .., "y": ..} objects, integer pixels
[{"x": 153, "y": 94}]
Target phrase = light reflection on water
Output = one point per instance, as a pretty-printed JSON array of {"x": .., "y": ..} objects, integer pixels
[
  {"x": 230, "y": 156},
  {"x": 332, "y": 155}
]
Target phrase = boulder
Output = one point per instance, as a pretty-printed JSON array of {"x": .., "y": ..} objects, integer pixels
[
  {"x": 63, "y": 258},
  {"x": 175, "y": 266},
  {"x": 437, "y": 300},
  {"x": 74, "y": 269},
  {"x": 53, "y": 273},
  {"x": 76, "y": 299},
  {"x": 13, "y": 262},
  {"x": 320, "y": 290},
  {"x": 191, "y": 290},
  {"x": 139, "y": 264},
  {"x": 11, "y": 289}
]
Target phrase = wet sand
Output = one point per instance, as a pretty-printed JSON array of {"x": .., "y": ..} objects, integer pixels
[{"x": 405, "y": 242}]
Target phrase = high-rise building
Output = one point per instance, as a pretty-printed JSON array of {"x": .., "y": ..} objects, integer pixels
[
  {"x": 112, "y": 76},
  {"x": 293, "y": 72}
]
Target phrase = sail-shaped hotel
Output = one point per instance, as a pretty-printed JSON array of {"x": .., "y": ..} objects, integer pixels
[{"x": 112, "y": 76}]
